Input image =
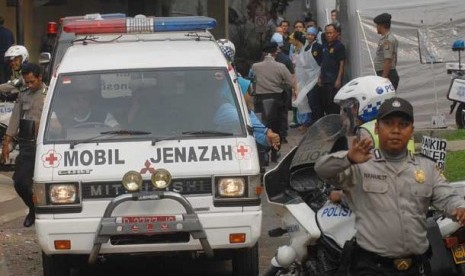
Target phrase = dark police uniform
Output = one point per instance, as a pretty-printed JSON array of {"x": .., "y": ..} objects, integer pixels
[
  {"x": 332, "y": 55},
  {"x": 390, "y": 199},
  {"x": 28, "y": 106}
]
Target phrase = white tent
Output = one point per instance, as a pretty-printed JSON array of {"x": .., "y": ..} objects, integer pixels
[{"x": 429, "y": 25}]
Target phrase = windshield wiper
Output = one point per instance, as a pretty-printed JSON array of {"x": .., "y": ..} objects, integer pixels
[
  {"x": 126, "y": 132},
  {"x": 174, "y": 137},
  {"x": 109, "y": 132},
  {"x": 190, "y": 134},
  {"x": 208, "y": 133}
]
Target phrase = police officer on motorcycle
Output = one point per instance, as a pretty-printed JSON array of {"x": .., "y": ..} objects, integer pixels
[
  {"x": 16, "y": 56},
  {"x": 390, "y": 190}
]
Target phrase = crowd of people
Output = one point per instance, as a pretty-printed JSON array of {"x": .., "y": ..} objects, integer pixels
[{"x": 315, "y": 60}]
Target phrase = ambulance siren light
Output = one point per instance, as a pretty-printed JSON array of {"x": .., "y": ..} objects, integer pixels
[
  {"x": 140, "y": 24},
  {"x": 92, "y": 16}
]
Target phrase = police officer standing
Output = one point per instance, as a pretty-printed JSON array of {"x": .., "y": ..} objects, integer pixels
[
  {"x": 272, "y": 78},
  {"x": 390, "y": 191},
  {"x": 23, "y": 126},
  {"x": 386, "y": 54}
]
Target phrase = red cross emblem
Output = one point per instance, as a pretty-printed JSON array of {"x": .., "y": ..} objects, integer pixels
[
  {"x": 243, "y": 152},
  {"x": 51, "y": 159},
  {"x": 147, "y": 168}
]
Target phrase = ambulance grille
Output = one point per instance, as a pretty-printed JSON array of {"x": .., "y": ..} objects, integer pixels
[
  {"x": 190, "y": 186},
  {"x": 150, "y": 239}
]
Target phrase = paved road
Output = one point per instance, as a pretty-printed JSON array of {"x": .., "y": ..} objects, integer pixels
[{"x": 20, "y": 253}]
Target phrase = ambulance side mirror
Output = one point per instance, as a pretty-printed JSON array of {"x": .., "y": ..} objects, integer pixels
[{"x": 44, "y": 58}]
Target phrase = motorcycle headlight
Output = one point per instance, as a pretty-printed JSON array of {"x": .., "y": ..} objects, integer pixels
[
  {"x": 63, "y": 193},
  {"x": 161, "y": 179},
  {"x": 231, "y": 187},
  {"x": 132, "y": 181}
]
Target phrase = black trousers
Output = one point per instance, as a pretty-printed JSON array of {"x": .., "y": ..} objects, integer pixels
[
  {"x": 393, "y": 77},
  {"x": 315, "y": 106},
  {"x": 366, "y": 263},
  {"x": 277, "y": 121},
  {"x": 323, "y": 101},
  {"x": 24, "y": 172}
]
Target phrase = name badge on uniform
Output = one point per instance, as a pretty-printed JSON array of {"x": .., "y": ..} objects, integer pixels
[{"x": 420, "y": 176}]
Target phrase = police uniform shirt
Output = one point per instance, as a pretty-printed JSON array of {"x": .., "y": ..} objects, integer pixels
[
  {"x": 333, "y": 54},
  {"x": 271, "y": 76},
  {"x": 390, "y": 199},
  {"x": 387, "y": 49},
  {"x": 28, "y": 106}
]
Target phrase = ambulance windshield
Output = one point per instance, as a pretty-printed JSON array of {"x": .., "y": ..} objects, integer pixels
[{"x": 160, "y": 102}]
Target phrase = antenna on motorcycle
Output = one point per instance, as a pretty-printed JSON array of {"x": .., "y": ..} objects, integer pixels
[{"x": 459, "y": 46}]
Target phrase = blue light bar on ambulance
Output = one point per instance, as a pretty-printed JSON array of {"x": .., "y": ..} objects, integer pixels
[{"x": 140, "y": 24}]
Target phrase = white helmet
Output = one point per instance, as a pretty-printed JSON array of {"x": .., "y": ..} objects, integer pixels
[
  {"x": 17, "y": 50},
  {"x": 369, "y": 92},
  {"x": 228, "y": 48}
]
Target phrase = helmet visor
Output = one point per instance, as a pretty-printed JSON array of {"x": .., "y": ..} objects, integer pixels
[{"x": 351, "y": 103}]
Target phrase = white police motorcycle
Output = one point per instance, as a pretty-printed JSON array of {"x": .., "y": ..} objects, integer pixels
[
  {"x": 457, "y": 88},
  {"x": 6, "y": 109},
  {"x": 317, "y": 228}
]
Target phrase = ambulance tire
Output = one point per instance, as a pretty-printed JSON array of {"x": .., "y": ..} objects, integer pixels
[
  {"x": 245, "y": 261},
  {"x": 460, "y": 116},
  {"x": 56, "y": 265}
]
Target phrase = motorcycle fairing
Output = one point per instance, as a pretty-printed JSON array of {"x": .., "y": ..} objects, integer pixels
[{"x": 337, "y": 222}]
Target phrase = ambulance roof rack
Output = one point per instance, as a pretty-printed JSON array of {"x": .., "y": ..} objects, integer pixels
[{"x": 137, "y": 24}]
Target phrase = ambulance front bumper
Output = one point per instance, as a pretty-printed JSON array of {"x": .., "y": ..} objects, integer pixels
[{"x": 207, "y": 231}]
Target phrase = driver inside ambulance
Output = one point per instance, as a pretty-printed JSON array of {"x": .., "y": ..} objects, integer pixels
[{"x": 82, "y": 111}]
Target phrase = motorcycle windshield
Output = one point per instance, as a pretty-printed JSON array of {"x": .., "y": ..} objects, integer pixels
[
  {"x": 324, "y": 136},
  {"x": 295, "y": 171}
]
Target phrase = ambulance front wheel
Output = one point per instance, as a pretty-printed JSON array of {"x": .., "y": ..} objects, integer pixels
[
  {"x": 245, "y": 261},
  {"x": 56, "y": 265},
  {"x": 460, "y": 116}
]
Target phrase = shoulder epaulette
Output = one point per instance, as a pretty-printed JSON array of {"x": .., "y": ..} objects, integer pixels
[{"x": 425, "y": 156}]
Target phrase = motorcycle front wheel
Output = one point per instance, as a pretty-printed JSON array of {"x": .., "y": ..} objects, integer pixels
[
  {"x": 294, "y": 270},
  {"x": 460, "y": 116}
]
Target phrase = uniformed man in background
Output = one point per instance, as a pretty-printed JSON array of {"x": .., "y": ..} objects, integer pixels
[
  {"x": 386, "y": 54},
  {"x": 23, "y": 126},
  {"x": 390, "y": 191}
]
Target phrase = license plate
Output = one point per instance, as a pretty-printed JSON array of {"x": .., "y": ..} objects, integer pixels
[
  {"x": 147, "y": 219},
  {"x": 458, "y": 252}
]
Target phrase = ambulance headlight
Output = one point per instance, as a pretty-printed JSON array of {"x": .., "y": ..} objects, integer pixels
[
  {"x": 132, "y": 181},
  {"x": 231, "y": 187},
  {"x": 63, "y": 193},
  {"x": 161, "y": 179}
]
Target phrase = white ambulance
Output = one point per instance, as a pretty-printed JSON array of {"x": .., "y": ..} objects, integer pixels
[{"x": 145, "y": 146}]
